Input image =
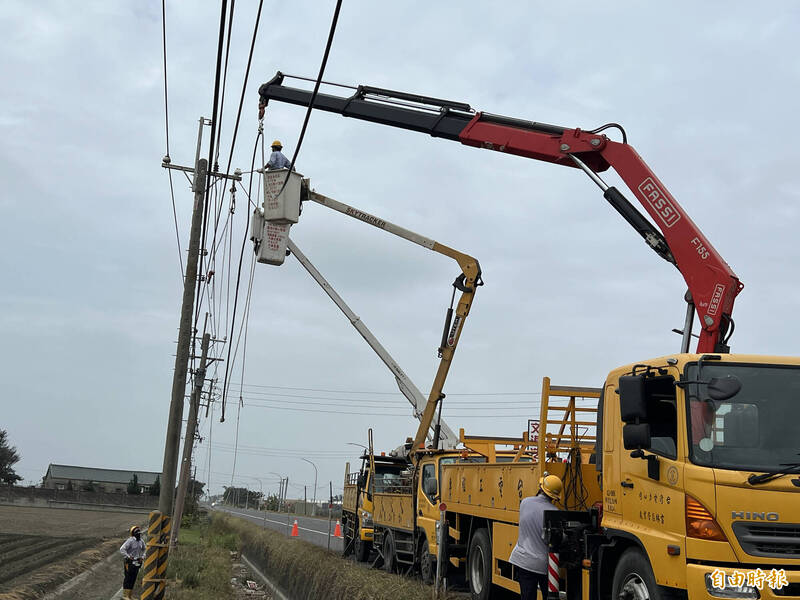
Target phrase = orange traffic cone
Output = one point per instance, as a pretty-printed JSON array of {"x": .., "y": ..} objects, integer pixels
[
  {"x": 295, "y": 532},
  {"x": 337, "y": 532}
]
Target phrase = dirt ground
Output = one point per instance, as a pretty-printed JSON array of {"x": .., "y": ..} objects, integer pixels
[
  {"x": 41, "y": 548},
  {"x": 62, "y": 522}
]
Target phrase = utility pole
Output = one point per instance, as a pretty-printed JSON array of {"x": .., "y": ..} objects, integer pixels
[
  {"x": 185, "y": 332},
  {"x": 188, "y": 442},
  {"x": 159, "y": 528}
]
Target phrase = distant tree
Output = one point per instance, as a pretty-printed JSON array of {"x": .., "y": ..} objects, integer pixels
[
  {"x": 155, "y": 489},
  {"x": 194, "y": 491},
  {"x": 89, "y": 487},
  {"x": 8, "y": 458},
  {"x": 133, "y": 485},
  {"x": 70, "y": 487}
]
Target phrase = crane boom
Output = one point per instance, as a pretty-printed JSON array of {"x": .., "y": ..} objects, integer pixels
[
  {"x": 447, "y": 437},
  {"x": 712, "y": 284}
]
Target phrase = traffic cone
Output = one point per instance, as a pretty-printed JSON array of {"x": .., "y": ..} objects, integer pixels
[
  {"x": 295, "y": 532},
  {"x": 337, "y": 532}
]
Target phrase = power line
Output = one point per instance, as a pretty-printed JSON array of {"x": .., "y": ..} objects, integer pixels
[
  {"x": 316, "y": 89},
  {"x": 164, "y": 44},
  {"x": 259, "y": 135},
  {"x": 373, "y": 414},
  {"x": 166, "y": 130},
  {"x": 303, "y": 389},
  {"x": 211, "y": 166}
]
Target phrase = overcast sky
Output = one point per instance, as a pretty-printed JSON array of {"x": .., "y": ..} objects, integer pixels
[{"x": 92, "y": 286}]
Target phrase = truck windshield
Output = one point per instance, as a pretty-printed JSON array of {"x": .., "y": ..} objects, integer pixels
[{"x": 755, "y": 430}]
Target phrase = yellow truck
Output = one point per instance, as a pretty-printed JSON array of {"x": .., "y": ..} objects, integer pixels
[
  {"x": 691, "y": 487},
  {"x": 694, "y": 489},
  {"x": 357, "y": 504}
]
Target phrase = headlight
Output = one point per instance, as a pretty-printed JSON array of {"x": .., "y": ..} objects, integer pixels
[
  {"x": 366, "y": 519},
  {"x": 730, "y": 590}
]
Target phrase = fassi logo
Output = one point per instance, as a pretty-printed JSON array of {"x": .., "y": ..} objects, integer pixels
[{"x": 660, "y": 202}]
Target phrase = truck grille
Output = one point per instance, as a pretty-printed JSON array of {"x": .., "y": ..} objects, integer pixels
[{"x": 774, "y": 540}]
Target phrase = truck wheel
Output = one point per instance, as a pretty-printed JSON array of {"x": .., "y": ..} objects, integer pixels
[
  {"x": 362, "y": 547},
  {"x": 633, "y": 578},
  {"x": 427, "y": 563},
  {"x": 479, "y": 563},
  {"x": 389, "y": 556},
  {"x": 349, "y": 538}
]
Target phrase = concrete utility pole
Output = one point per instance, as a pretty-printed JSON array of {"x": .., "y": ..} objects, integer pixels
[
  {"x": 188, "y": 442},
  {"x": 185, "y": 333}
]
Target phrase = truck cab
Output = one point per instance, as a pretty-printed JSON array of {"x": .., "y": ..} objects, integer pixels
[
  {"x": 688, "y": 445},
  {"x": 358, "y": 502}
]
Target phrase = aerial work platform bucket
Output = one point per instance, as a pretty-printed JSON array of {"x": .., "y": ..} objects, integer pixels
[
  {"x": 282, "y": 206},
  {"x": 271, "y": 239}
]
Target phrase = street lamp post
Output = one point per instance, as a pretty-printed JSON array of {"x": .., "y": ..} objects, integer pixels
[
  {"x": 315, "y": 481},
  {"x": 280, "y": 492}
]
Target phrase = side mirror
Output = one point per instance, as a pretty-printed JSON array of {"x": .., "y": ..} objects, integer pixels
[
  {"x": 636, "y": 436},
  {"x": 430, "y": 487},
  {"x": 724, "y": 388},
  {"x": 362, "y": 480},
  {"x": 632, "y": 398}
]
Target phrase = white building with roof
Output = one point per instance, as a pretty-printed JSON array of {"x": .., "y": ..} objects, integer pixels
[{"x": 58, "y": 477}]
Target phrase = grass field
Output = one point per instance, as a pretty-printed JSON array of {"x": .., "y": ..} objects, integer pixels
[{"x": 42, "y": 547}]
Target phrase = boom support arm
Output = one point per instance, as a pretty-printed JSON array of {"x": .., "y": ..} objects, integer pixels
[
  {"x": 467, "y": 283},
  {"x": 713, "y": 286}
]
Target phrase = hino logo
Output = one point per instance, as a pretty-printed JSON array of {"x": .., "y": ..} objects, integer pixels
[{"x": 755, "y": 516}]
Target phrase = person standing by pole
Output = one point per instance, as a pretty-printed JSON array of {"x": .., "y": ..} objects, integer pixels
[
  {"x": 133, "y": 551},
  {"x": 530, "y": 555}
]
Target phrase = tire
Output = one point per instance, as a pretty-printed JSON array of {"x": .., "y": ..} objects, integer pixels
[
  {"x": 633, "y": 578},
  {"x": 349, "y": 537},
  {"x": 426, "y": 561},
  {"x": 389, "y": 554},
  {"x": 362, "y": 547},
  {"x": 479, "y": 562}
]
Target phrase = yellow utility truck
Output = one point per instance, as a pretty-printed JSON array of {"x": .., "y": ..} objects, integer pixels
[
  {"x": 691, "y": 489},
  {"x": 683, "y": 493},
  {"x": 357, "y": 504}
]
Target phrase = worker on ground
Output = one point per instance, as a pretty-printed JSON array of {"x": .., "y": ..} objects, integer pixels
[
  {"x": 133, "y": 551},
  {"x": 530, "y": 555},
  {"x": 277, "y": 160}
]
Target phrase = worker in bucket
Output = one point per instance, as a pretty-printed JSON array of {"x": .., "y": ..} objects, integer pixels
[
  {"x": 530, "y": 555},
  {"x": 133, "y": 551},
  {"x": 277, "y": 160}
]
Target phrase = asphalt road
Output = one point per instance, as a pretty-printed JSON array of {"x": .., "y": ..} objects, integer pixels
[{"x": 310, "y": 529}]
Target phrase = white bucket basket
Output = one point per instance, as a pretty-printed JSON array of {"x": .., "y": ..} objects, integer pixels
[
  {"x": 282, "y": 207},
  {"x": 272, "y": 249}
]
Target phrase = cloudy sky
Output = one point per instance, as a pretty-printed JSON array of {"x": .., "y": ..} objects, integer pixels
[{"x": 91, "y": 276}]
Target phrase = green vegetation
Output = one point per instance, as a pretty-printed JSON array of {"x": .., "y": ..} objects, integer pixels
[
  {"x": 307, "y": 572},
  {"x": 133, "y": 485},
  {"x": 200, "y": 566},
  {"x": 8, "y": 458}
]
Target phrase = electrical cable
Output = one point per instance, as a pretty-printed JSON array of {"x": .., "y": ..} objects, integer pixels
[
  {"x": 314, "y": 93},
  {"x": 238, "y": 281},
  {"x": 241, "y": 99},
  {"x": 214, "y": 117},
  {"x": 175, "y": 220},
  {"x": 164, "y": 44},
  {"x": 166, "y": 131},
  {"x": 224, "y": 80},
  {"x": 279, "y": 387}
]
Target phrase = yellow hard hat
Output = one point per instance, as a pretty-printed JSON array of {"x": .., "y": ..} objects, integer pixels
[
  {"x": 552, "y": 486},
  {"x": 277, "y": 143},
  {"x": 133, "y": 529}
]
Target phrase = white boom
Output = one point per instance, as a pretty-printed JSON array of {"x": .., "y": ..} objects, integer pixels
[{"x": 447, "y": 438}]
